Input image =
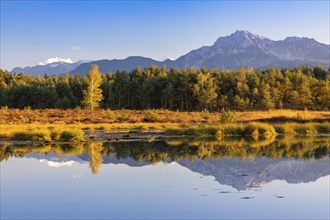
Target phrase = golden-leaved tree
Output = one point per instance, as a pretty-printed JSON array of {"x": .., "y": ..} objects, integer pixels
[
  {"x": 95, "y": 156},
  {"x": 93, "y": 94}
]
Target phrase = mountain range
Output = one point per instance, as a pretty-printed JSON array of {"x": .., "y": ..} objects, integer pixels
[
  {"x": 240, "y": 49},
  {"x": 245, "y": 175},
  {"x": 241, "y": 175},
  {"x": 57, "y": 67}
]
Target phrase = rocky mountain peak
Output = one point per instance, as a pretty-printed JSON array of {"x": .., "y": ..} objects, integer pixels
[
  {"x": 248, "y": 35},
  {"x": 240, "y": 49}
]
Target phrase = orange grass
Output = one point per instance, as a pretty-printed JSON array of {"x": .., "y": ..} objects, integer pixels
[{"x": 102, "y": 116}]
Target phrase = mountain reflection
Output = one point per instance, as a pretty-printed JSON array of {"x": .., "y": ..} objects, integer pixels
[{"x": 241, "y": 163}]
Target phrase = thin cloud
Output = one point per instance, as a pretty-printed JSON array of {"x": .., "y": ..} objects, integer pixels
[{"x": 76, "y": 48}]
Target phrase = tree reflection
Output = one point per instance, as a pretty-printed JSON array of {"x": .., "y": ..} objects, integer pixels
[
  {"x": 95, "y": 156},
  {"x": 180, "y": 149}
]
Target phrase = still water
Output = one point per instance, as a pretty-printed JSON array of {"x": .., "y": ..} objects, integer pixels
[{"x": 240, "y": 179}]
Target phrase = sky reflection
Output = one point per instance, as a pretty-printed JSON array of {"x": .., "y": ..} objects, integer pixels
[{"x": 37, "y": 187}]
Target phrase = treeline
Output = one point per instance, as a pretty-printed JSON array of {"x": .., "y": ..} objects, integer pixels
[
  {"x": 174, "y": 89},
  {"x": 167, "y": 152}
]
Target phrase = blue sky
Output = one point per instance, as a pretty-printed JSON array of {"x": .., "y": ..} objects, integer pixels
[{"x": 33, "y": 31}]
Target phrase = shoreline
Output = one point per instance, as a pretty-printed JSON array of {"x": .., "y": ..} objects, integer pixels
[
  {"x": 79, "y": 125},
  {"x": 151, "y": 131}
]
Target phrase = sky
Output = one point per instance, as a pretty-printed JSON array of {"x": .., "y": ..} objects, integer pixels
[{"x": 33, "y": 31}]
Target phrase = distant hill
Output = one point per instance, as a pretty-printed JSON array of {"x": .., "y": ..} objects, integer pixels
[
  {"x": 127, "y": 64},
  {"x": 55, "y": 66},
  {"x": 241, "y": 48}
]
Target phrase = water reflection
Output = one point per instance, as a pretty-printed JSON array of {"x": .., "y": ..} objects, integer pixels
[
  {"x": 177, "y": 178},
  {"x": 246, "y": 175},
  {"x": 240, "y": 163}
]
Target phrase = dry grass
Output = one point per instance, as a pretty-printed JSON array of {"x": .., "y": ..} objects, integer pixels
[
  {"x": 256, "y": 130},
  {"x": 101, "y": 116},
  {"x": 304, "y": 129},
  {"x": 41, "y": 133},
  {"x": 284, "y": 115},
  {"x": 253, "y": 129}
]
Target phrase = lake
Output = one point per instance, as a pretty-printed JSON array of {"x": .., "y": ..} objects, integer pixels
[{"x": 186, "y": 178}]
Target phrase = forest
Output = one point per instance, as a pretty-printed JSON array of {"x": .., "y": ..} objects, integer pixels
[{"x": 183, "y": 90}]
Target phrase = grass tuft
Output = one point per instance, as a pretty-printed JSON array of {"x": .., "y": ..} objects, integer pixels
[
  {"x": 72, "y": 135},
  {"x": 43, "y": 135}
]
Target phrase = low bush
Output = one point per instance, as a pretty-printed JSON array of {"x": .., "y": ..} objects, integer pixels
[
  {"x": 323, "y": 128},
  {"x": 151, "y": 116},
  {"x": 43, "y": 135},
  {"x": 70, "y": 135},
  {"x": 228, "y": 116}
]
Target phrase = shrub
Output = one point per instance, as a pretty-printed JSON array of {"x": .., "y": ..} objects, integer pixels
[
  {"x": 70, "y": 135},
  {"x": 228, "y": 116},
  {"x": 323, "y": 128},
  {"x": 32, "y": 135},
  {"x": 151, "y": 116},
  {"x": 219, "y": 134},
  {"x": 304, "y": 115},
  {"x": 55, "y": 134}
]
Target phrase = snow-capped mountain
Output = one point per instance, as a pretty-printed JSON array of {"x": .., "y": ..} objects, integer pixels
[
  {"x": 55, "y": 60},
  {"x": 50, "y": 66},
  {"x": 57, "y": 164}
]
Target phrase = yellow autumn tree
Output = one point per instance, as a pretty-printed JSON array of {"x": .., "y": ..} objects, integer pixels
[
  {"x": 93, "y": 94},
  {"x": 95, "y": 156}
]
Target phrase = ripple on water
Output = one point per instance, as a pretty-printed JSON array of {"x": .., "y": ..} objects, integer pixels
[
  {"x": 279, "y": 197},
  {"x": 224, "y": 192}
]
